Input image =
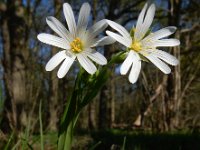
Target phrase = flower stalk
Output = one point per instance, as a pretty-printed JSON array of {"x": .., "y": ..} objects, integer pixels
[{"x": 85, "y": 89}]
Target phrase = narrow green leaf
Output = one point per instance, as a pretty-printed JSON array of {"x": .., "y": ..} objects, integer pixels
[
  {"x": 95, "y": 146},
  {"x": 124, "y": 144},
  {"x": 9, "y": 141}
]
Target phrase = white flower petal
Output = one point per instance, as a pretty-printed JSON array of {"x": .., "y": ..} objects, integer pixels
[
  {"x": 89, "y": 36},
  {"x": 139, "y": 22},
  {"x": 55, "y": 60},
  {"x": 88, "y": 42},
  {"x": 97, "y": 28},
  {"x": 119, "y": 28},
  {"x": 123, "y": 40},
  {"x": 83, "y": 17},
  {"x": 127, "y": 63},
  {"x": 82, "y": 34},
  {"x": 64, "y": 68},
  {"x": 158, "y": 63},
  {"x": 166, "y": 42},
  {"x": 56, "y": 26},
  {"x": 96, "y": 56},
  {"x": 69, "y": 16},
  {"x": 147, "y": 21},
  {"x": 135, "y": 70},
  {"x": 53, "y": 40},
  {"x": 162, "y": 33},
  {"x": 86, "y": 63},
  {"x": 165, "y": 57},
  {"x": 104, "y": 41}
]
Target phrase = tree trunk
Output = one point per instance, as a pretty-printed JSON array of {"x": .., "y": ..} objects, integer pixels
[
  {"x": 14, "y": 56},
  {"x": 174, "y": 20},
  {"x": 172, "y": 98},
  {"x": 54, "y": 84}
]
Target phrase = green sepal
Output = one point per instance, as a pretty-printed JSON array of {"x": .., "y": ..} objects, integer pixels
[
  {"x": 119, "y": 57},
  {"x": 132, "y": 32}
]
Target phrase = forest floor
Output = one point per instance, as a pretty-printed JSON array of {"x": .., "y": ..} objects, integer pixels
[{"x": 113, "y": 139}]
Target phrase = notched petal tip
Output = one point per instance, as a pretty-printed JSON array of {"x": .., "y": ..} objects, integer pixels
[
  {"x": 149, "y": 4},
  {"x": 60, "y": 76},
  {"x": 167, "y": 72},
  {"x": 132, "y": 81},
  {"x": 107, "y": 32},
  {"x": 66, "y": 5},
  {"x": 178, "y": 42},
  {"x": 176, "y": 63},
  {"x": 172, "y": 29},
  {"x": 122, "y": 72},
  {"x": 86, "y": 4},
  {"x": 47, "y": 68},
  {"x": 108, "y": 21},
  {"x": 153, "y": 6},
  {"x": 49, "y": 18},
  {"x": 39, "y": 36}
]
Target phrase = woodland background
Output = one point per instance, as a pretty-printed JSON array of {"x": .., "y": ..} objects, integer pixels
[{"x": 159, "y": 110}]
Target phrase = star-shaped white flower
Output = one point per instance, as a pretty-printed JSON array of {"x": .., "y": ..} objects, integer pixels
[
  {"x": 77, "y": 42},
  {"x": 144, "y": 43}
]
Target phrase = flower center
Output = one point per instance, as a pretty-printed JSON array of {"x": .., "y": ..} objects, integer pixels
[
  {"x": 76, "y": 45},
  {"x": 136, "y": 46}
]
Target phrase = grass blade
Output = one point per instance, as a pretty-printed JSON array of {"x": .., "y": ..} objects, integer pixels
[
  {"x": 124, "y": 144},
  {"x": 95, "y": 146},
  {"x": 41, "y": 128},
  {"x": 9, "y": 141}
]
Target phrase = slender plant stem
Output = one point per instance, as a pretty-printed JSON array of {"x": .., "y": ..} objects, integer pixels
[
  {"x": 41, "y": 128},
  {"x": 78, "y": 100},
  {"x": 69, "y": 137}
]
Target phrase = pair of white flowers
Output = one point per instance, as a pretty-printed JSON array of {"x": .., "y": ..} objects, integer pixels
[{"x": 78, "y": 42}]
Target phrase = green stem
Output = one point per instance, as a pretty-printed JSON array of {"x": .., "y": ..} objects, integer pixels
[
  {"x": 66, "y": 127},
  {"x": 68, "y": 119},
  {"x": 78, "y": 100},
  {"x": 69, "y": 137},
  {"x": 41, "y": 128}
]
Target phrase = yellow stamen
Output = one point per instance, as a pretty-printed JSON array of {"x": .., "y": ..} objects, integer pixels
[
  {"x": 76, "y": 45},
  {"x": 136, "y": 46}
]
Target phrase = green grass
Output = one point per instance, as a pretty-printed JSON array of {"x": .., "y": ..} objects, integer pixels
[
  {"x": 122, "y": 140},
  {"x": 41, "y": 127}
]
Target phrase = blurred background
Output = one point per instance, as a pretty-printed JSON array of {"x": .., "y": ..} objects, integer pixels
[{"x": 158, "y": 112}]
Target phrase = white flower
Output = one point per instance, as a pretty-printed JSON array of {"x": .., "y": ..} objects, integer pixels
[
  {"x": 141, "y": 42},
  {"x": 77, "y": 42}
]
